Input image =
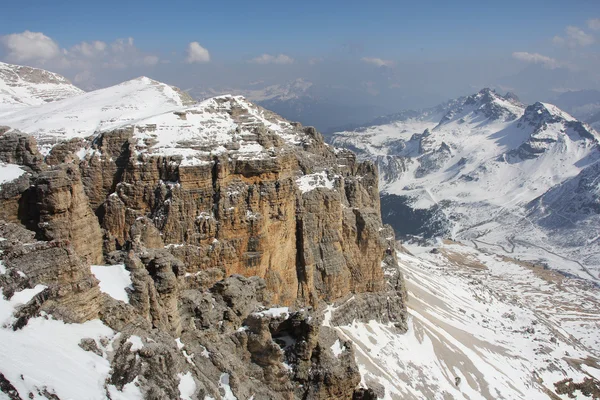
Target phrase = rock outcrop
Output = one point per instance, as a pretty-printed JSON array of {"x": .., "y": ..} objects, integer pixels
[{"x": 212, "y": 242}]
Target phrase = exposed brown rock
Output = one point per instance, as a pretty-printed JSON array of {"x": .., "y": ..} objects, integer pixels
[{"x": 208, "y": 245}]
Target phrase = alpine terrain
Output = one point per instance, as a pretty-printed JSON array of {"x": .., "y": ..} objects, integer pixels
[
  {"x": 155, "y": 247},
  {"x": 490, "y": 172}
]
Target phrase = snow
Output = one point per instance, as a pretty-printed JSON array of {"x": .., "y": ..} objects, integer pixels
[
  {"x": 17, "y": 299},
  {"x": 481, "y": 173},
  {"x": 557, "y": 111},
  {"x": 45, "y": 353},
  {"x": 506, "y": 329},
  {"x": 274, "y": 312},
  {"x": 131, "y": 391},
  {"x": 9, "y": 172},
  {"x": 136, "y": 343},
  {"x": 19, "y": 87},
  {"x": 163, "y": 122},
  {"x": 187, "y": 386},
  {"x": 224, "y": 385},
  {"x": 103, "y": 109},
  {"x": 337, "y": 348},
  {"x": 310, "y": 182},
  {"x": 114, "y": 279}
]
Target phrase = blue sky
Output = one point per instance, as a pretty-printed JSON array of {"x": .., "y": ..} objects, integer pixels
[
  {"x": 384, "y": 51},
  {"x": 236, "y": 29}
]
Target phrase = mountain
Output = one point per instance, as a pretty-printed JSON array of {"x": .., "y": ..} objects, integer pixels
[
  {"x": 22, "y": 86},
  {"x": 301, "y": 100},
  {"x": 471, "y": 174},
  {"x": 160, "y": 249},
  {"x": 83, "y": 114},
  {"x": 257, "y": 91}
]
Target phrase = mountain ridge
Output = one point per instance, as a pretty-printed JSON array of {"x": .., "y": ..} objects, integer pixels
[{"x": 488, "y": 155}]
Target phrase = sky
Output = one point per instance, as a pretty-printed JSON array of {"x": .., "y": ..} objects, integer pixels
[{"x": 396, "y": 54}]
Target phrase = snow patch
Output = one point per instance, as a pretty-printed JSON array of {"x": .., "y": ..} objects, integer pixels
[
  {"x": 224, "y": 385},
  {"x": 9, "y": 172},
  {"x": 187, "y": 386},
  {"x": 310, "y": 182},
  {"x": 337, "y": 348},
  {"x": 136, "y": 343},
  {"x": 274, "y": 312},
  {"x": 114, "y": 279}
]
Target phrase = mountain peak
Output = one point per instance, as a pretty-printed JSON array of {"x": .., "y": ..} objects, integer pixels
[
  {"x": 544, "y": 112},
  {"x": 486, "y": 104},
  {"x": 22, "y": 86}
]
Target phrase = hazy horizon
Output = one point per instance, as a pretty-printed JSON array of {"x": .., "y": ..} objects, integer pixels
[{"x": 383, "y": 56}]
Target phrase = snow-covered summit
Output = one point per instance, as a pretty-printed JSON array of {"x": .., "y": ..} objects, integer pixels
[
  {"x": 484, "y": 105},
  {"x": 474, "y": 172},
  {"x": 163, "y": 119},
  {"x": 22, "y": 86},
  {"x": 104, "y": 109}
]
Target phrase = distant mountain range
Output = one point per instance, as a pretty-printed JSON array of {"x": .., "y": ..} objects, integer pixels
[
  {"x": 582, "y": 104},
  {"x": 489, "y": 170},
  {"x": 300, "y": 100}
]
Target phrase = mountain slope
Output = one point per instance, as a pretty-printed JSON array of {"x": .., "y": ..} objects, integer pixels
[
  {"x": 22, "y": 86},
  {"x": 103, "y": 109},
  {"x": 471, "y": 175},
  {"x": 482, "y": 327}
]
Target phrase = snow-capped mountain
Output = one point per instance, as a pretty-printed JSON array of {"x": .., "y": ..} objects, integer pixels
[
  {"x": 22, "y": 86},
  {"x": 85, "y": 113},
  {"x": 477, "y": 168}
]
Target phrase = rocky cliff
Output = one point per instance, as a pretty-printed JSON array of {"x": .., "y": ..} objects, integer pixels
[{"x": 215, "y": 211}]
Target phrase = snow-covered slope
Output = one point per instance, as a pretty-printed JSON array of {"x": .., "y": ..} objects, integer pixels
[
  {"x": 22, "y": 86},
  {"x": 103, "y": 109},
  {"x": 482, "y": 327},
  {"x": 476, "y": 170}
]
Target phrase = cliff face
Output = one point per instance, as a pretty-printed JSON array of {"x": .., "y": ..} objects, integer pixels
[
  {"x": 216, "y": 211},
  {"x": 303, "y": 217}
]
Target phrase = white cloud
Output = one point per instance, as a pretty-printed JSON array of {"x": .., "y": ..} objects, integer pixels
[
  {"x": 30, "y": 46},
  {"x": 378, "y": 61},
  {"x": 536, "y": 58},
  {"x": 122, "y": 45},
  {"x": 269, "y": 59},
  {"x": 574, "y": 37},
  {"x": 89, "y": 50},
  {"x": 197, "y": 54},
  {"x": 150, "y": 60},
  {"x": 83, "y": 77},
  {"x": 594, "y": 24}
]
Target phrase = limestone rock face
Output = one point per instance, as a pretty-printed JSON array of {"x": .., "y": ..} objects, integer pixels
[
  {"x": 247, "y": 216},
  {"x": 72, "y": 292},
  {"x": 236, "y": 236},
  {"x": 57, "y": 207}
]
